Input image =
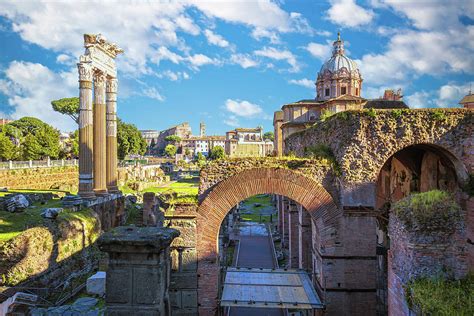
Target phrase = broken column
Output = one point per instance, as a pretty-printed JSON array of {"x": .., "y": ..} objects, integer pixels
[{"x": 138, "y": 275}]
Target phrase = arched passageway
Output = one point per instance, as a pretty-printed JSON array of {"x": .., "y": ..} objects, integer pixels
[
  {"x": 413, "y": 169},
  {"x": 228, "y": 193}
]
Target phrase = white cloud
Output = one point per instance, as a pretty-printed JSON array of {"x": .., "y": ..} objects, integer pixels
[
  {"x": 244, "y": 60},
  {"x": 320, "y": 51},
  {"x": 31, "y": 87},
  {"x": 433, "y": 14},
  {"x": 260, "y": 33},
  {"x": 173, "y": 75},
  {"x": 449, "y": 95},
  {"x": 65, "y": 59},
  {"x": 215, "y": 39},
  {"x": 199, "y": 60},
  {"x": 163, "y": 53},
  {"x": 420, "y": 99},
  {"x": 232, "y": 120},
  {"x": 307, "y": 83},
  {"x": 138, "y": 26},
  {"x": 347, "y": 13},
  {"x": 152, "y": 93},
  {"x": 242, "y": 108},
  {"x": 281, "y": 55},
  {"x": 412, "y": 53},
  {"x": 262, "y": 14}
]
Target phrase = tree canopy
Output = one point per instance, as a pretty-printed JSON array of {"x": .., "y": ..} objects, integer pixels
[
  {"x": 130, "y": 140},
  {"x": 67, "y": 106},
  {"x": 170, "y": 150},
  {"x": 269, "y": 136},
  {"x": 173, "y": 139},
  {"x": 35, "y": 139},
  {"x": 217, "y": 152}
]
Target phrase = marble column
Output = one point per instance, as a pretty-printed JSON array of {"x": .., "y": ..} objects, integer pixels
[
  {"x": 100, "y": 187},
  {"x": 111, "y": 132},
  {"x": 85, "y": 131}
]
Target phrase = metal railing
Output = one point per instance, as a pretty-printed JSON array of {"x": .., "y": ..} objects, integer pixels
[{"x": 48, "y": 163}]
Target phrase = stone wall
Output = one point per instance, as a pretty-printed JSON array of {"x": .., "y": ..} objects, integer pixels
[
  {"x": 362, "y": 141},
  {"x": 63, "y": 178},
  {"x": 66, "y": 178},
  {"x": 184, "y": 276},
  {"x": 417, "y": 253}
]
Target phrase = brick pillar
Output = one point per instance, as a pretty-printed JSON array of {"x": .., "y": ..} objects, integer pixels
[
  {"x": 284, "y": 234},
  {"x": 100, "y": 186},
  {"x": 85, "y": 131},
  {"x": 304, "y": 236},
  {"x": 280, "y": 214},
  {"x": 293, "y": 235},
  {"x": 138, "y": 276},
  {"x": 111, "y": 132}
]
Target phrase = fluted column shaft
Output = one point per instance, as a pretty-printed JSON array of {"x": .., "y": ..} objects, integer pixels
[
  {"x": 85, "y": 131},
  {"x": 100, "y": 186},
  {"x": 111, "y": 132}
]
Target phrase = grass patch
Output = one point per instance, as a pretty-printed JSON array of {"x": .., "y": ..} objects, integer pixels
[
  {"x": 442, "y": 297},
  {"x": 428, "y": 211},
  {"x": 254, "y": 212},
  {"x": 13, "y": 224}
]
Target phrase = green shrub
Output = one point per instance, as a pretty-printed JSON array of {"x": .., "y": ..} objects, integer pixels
[
  {"x": 438, "y": 115},
  {"x": 428, "y": 211},
  {"x": 325, "y": 114},
  {"x": 343, "y": 115},
  {"x": 324, "y": 153},
  {"x": 397, "y": 113},
  {"x": 372, "y": 113},
  {"x": 436, "y": 296}
]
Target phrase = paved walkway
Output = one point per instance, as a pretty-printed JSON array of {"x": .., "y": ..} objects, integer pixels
[{"x": 255, "y": 252}]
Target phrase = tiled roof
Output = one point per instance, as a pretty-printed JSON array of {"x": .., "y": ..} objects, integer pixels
[
  {"x": 385, "y": 104},
  {"x": 467, "y": 99}
]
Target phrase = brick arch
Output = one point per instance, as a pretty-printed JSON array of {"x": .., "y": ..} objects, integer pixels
[
  {"x": 228, "y": 193},
  {"x": 441, "y": 150}
]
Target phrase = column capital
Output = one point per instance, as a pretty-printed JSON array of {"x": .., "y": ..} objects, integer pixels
[
  {"x": 99, "y": 79},
  {"x": 111, "y": 85},
  {"x": 85, "y": 71}
]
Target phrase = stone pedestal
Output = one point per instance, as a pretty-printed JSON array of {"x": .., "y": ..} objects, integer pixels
[
  {"x": 139, "y": 270},
  {"x": 100, "y": 187},
  {"x": 85, "y": 131}
]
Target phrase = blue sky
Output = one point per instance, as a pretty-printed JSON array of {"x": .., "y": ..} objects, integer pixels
[{"x": 231, "y": 63}]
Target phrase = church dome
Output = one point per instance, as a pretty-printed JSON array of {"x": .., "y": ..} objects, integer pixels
[
  {"x": 339, "y": 75},
  {"x": 339, "y": 60}
]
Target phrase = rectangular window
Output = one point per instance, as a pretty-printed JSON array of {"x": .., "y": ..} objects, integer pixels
[
  {"x": 357, "y": 91},
  {"x": 343, "y": 90},
  {"x": 326, "y": 93}
]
